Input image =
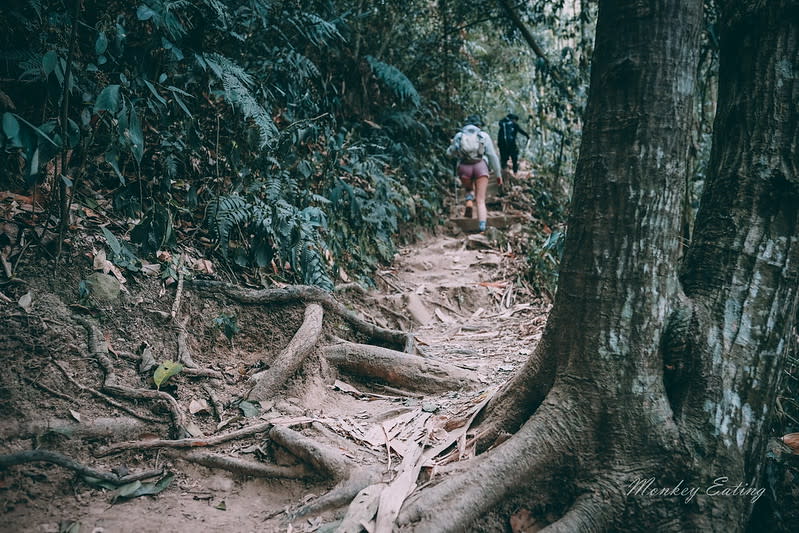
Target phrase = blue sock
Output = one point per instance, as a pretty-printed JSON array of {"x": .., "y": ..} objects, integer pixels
[
  {"x": 482, "y": 225},
  {"x": 469, "y": 196}
]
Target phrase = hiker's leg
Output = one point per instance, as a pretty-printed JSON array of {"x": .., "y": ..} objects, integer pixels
[
  {"x": 465, "y": 172},
  {"x": 514, "y": 155},
  {"x": 481, "y": 186},
  {"x": 503, "y": 157}
]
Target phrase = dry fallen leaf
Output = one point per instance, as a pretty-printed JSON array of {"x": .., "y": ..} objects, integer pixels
[
  {"x": 204, "y": 265},
  {"x": 26, "y": 302},
  {"x": 163, "y": 255},
  {"x": 151, "y": 269},
  {"x": 792, "y": 441},
  {"x": 199, "y": 406}
]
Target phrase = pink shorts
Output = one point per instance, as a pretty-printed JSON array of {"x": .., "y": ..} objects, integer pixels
[{"x": 471, "y": 171}]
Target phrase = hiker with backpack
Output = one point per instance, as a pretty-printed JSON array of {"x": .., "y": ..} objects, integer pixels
[
  {"x": 506, "y": 140},
  {"x": 473, "y": 147}
]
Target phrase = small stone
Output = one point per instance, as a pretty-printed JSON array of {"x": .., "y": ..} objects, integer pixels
[
  {"x": 429, "y": 407},
  {"x": 104, "y": 288}
]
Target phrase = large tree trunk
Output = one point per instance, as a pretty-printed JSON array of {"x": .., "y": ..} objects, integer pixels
[{"x": 653, "y": 381}]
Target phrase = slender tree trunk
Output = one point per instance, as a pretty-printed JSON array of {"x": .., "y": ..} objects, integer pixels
[{"x": 663, "y": 383}]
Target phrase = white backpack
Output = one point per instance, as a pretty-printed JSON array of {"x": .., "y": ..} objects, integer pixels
[{"x": 471, "y": 146}]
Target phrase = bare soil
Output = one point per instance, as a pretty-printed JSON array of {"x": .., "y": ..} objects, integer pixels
[{"x": 457, "y": 293}]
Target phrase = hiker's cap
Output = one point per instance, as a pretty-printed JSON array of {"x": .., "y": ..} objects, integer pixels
[
  {"x": 474, "y": 120},
  {"x": 513, "y": 116}
]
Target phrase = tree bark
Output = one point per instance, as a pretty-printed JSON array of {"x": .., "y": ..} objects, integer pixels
[{"x": 661, "y": 374}]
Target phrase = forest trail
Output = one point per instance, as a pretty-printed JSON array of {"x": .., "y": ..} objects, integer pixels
[{"x": 457, "y": 292}]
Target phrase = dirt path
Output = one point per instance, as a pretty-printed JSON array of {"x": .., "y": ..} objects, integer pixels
[{"x": 456, "y": 293}]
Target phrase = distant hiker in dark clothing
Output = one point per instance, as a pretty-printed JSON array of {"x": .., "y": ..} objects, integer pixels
[
  {"x": 475, "y": 153},
  {"x": 506, "y": 141}
]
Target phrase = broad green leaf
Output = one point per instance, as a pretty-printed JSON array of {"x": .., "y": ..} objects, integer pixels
[
  {"x": 136, "y": 135},
  {"x": 250, "y": 409},
  {"x": 103, "y": 484},
  {"x": 39, "y": 131},
  {"x": 127, "y": 490},
  {"x": 108, "y": 99},
  {"x": 166, "y": 370},
  {"x": 49, "y": 61},
  {"x": 112, "y": 241},
  {"x": 10, "y": 125},
  {"x": 182, "y": 105},
  {"x": 176, "y": 90},
  {"x": 155, "y": 93},
  {"x": 112, "y": 158},
  {"x": 150, "y": 488},
  {"x": 145, "y": 13},
  {"x": 101, "y": 45}
]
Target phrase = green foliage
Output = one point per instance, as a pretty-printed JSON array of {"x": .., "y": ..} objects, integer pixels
[
  {"x": 228, "y": 324},
  {"x": 395, "y": 80},
  {"x": 164, "y": 371}
]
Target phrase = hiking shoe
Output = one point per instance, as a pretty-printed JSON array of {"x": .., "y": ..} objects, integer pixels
[{"x": 467, "y": 213}]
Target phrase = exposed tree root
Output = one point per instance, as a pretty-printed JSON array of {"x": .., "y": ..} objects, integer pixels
[
  {"x": 268, "y": 382},
  {"x": 330, "y": 462},
  {"x": 105, "y": 398},
  {"x": 184, "y": 443},
  {"x": 46, "y": 456},
  {"x": 397, "y": 368},
  {"x": 99, "y": 350},
  {"x": 517, "y": 399},
  {"x": 527, "y": 460},
  {"x": 592, "y": 512},
  {"x": 184, "y": 353},
  {"x": 242, "y": 466},
  {"x": 216, "y": 405},
  {"x": 303, "y": 293},
  {"x": 99, "y": 428}
]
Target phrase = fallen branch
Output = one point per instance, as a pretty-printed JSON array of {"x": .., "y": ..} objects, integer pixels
[
  {"x": 305, "y": 293},
  {"x": 184, "y": 443},
  {"x": 98, "y": 394},
  {"x": 268, "y": 382},
  {"x": 397, "y": 368},
  {"x": 46, "y": 456},
  {"x": 242, "y": 466}
]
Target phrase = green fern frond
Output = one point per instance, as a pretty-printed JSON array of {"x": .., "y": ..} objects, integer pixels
[{"x": 395, "y": 80}]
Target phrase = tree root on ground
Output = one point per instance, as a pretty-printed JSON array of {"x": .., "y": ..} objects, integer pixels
[
  {"x": 184, "y": 352},
  {"x": 105, "y": 398},
  {"x": 46, "y": 456},
  {"x": 290, "y": 359},
  {"x": 184, "y": 443},
  {"x": 99, "y": 350},
  {"x": 304, "y": 293},
  {"x": 526, "y": 461},
  {"x": 99, "y": 428},
  {"x": 329, "y": 461},
  {"x": 397, "y": 368},
  {"x": 516, "y": 400},
  {"x": 242, "y": 466}
]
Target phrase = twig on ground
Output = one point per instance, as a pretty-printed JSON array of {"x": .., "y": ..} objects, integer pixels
[
  {"x": 46, "y": 456},
  {"x": 98, "y": 394},
  {"x": 184, "y": 443},
  {"x": 99, "y": 349},
  {"x": 242, "y": 466}
]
